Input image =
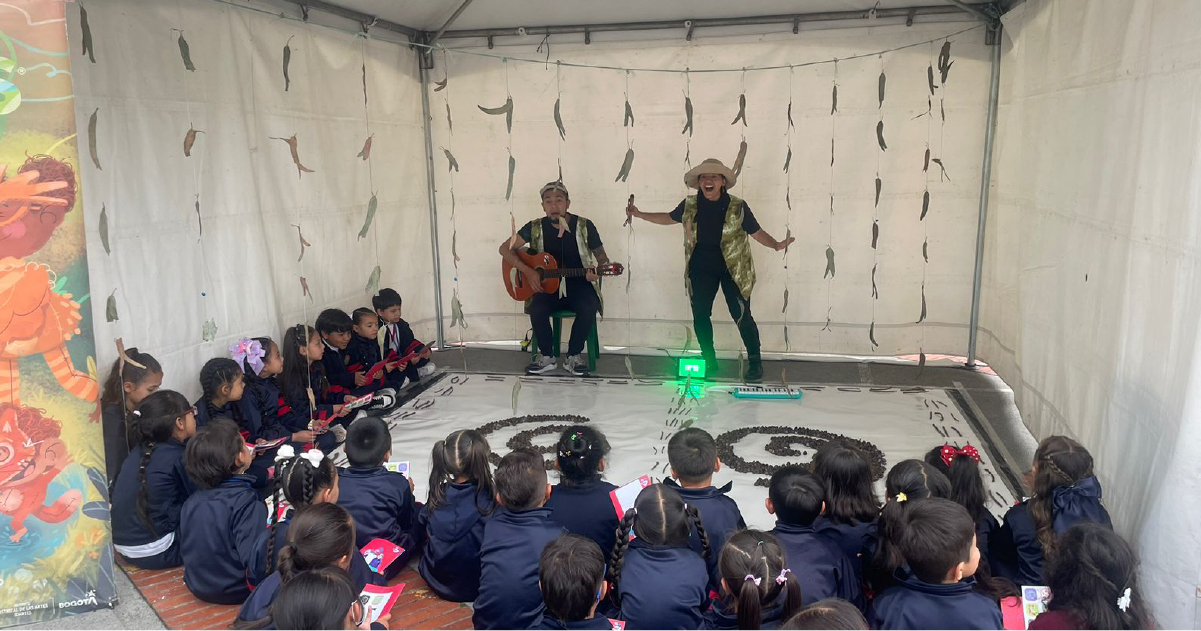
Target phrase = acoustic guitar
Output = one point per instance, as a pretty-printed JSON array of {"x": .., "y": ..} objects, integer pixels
[{"x": 549, "y": 271}]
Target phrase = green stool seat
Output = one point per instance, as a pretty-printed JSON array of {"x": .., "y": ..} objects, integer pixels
[{"x": 592, "y": 346}]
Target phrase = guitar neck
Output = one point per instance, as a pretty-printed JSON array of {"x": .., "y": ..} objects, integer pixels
[{"x": 564, "y": 273}]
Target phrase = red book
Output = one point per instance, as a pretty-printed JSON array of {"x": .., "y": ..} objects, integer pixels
[
  {"x": 377, "y": 601},
  {"x": 380, "y": 553},
  {"x": 623, "y": 496},
  {"x": 618, "y": 625}
]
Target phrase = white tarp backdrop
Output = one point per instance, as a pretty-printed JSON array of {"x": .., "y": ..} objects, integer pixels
[
  {"x": 1091, "y": 306},
  {"x": 242, "y": 274}
]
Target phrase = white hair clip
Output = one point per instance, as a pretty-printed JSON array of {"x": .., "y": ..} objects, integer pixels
[
  {"x": 1124, "y": 601},
  {"x": 286, "y": 452},
  {"x": 314, "y": 456}
]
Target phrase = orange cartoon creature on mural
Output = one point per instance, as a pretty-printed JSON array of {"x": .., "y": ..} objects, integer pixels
[
  {"x": 33, "y": 318},
  {"x": 31, "y": 454}
]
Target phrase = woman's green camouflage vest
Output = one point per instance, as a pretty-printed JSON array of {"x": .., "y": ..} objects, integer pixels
[
  {"x": 582, "y": 228},
  {"x": 735, "y": 246}
]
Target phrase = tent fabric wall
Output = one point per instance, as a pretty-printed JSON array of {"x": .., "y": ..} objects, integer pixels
[
  {"x": 242, "y": 273},
  {"x": 655, "y": 311},
  {"x": 1090, "y": 308}
]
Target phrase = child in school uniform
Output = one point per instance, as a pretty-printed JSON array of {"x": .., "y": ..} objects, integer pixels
[
  {"x": 851, "y": 505},
  {"x": 223, "y": 384},
  {"x": 335, "y": 326},
  {"x": 461, "y": 498},
  {"x": 150, "y": 493},
  {"x": 692, "y": 453},
  {"x": 936, "y": 589},
  {"x": 364, "y": 351},
  {"x": 658, "y": 580},
  {"x": 961, "y": 465},
  {"x": 907, "y": 481},
  {"x": 302, "y": 369},
  {"x": 320, "y": 599},
  {"x": 1094, "y": 583},
  {"x": 219, "y": 523},
  {"x": 580, "y": 501},
  {"x": 513, "y": 541},
  {"x": 831, "y": 613},
  {"x": 127, "y": 385},
  {"x": 758, "y": 589},
  {"x": 397, "y": 337},
  {"x": 381, "y": 501},
  {"x": 797, "y": 498},
  {"x": 571, "y": 575},
  {"x": 261, "y": 361}
]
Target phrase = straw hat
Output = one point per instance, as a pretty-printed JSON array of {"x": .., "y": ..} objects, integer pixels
[{"x": 711, "y": 165}]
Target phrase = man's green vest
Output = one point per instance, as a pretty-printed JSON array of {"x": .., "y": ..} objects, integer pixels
[
  {"x": 735, "y": 246},
  {"x": 582, "y": 229}
]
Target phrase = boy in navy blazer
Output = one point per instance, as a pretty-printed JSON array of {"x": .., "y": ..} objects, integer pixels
[
  {"x": 796, "y": 497},
  {"x": 334, "y": 327},
  {"x": 692, "y": 453},
  {"x": 396, "y": 336},
  {"x": 513, "y": 541},
  {"x": 364, "y": 351},
  {"x": 937, "y": 590},
  {"x": 381, "y": 501}
]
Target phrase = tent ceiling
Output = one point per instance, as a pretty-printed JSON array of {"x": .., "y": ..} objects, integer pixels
[{"x": 429, "y": 15}]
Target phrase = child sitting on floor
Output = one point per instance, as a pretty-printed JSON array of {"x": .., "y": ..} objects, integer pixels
[
  {"x": 962, "y": 468},
  {"x": 150, "y": 493},
  {"x": 364, "y": 351},
  {"x": 223, "y": 384},
  {"x": 219, "y": 523},
  {"x": 396, "y": 335},
  {"x": 571, "y": 575},
  {"x": 907, "y": 481},
  {"x": 302, "y": 374},
  {"x": 461, "y": 497},
  {"x": 580, "y": 501},
  {"x": 851, "y": 505},
  {"x": 937, "y": 591},
  {"x": 261, "y": 361},
  {"x": 127, "y": 385},
  {"x": 322, "y": 599},
  {"x": 659, "y": 581},
  {"x": 1094, "y": 583},
  {"x": 513, "y": 541},
  {"x": 758, "y": 590},
  {"x": 335, "y": 326},
  {"x": 831, "y": 613},
  {"x": 381, "y": 501},
  {"x": 797, "y": 498},
  {"x": 692, "y": 453}
]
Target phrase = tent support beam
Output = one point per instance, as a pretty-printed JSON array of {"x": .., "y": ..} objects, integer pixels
[
  {"x": 370, "y": 21},
  {"x": 454, "y": 16},
  {"x": 974, "y": 10},
  {"x": 990, "y": 132},
  {"x": 433, "y": 201}
]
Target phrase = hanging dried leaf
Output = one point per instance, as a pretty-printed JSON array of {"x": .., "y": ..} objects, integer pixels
[
  {"x": 451, "y": 163},
  {"x": 879, "y": 187},
  {"x": 512, "y": 169},
  {"x": 291, "y": 142},
  {"x": 788, "y": 199},
  {"x": 875, "y": 294},
  {"x": 364, "y": 72},
  {"x": 687, "y": 117},
  {"x": 880, "y": 136},
  {"x": 104, "y": 229},
  {"x": 831, "y": 151},
  {"x": 942, "y": 109},
  {"x": 365, "y": 152},
  {"x": 304, "y": 288},
  {"x": 513, "y": 228},
  {"x": 883, "y": 80},
  {"x": 208, "y": 332},
  {"x": 454, "y": 247},
  {"x": 784, "y": 309},
  {"x": 92, "y": 139},
  {"x": 450, "y": 123},
  {"x": 303, "y": 243},
  {"x": 624, "y": 172},
  {"x": 87, "y": 35},
  {"x": 926, "y": 250},
  {"x": 372, "y": 286},
  {"x": 930, "y": 78},
  {"x": 371, "y": 208},
  {"x": 923, "y": 316},
  {"x": 787, "y": 239},
  {"x": 740, "y": 159},
  {"x": 199, "y": 221},
  {"x": 562, "y": 226},
  {"x": 506, "y": 109},
  {"x": 926, "y": 162},
  {"x": 831, "y": 204},
  {"x": 629, "y": 368},
  {"x": 829, "y": 263},
  {"x": 828, "y": 320},
  {"x": 925, "y": 205},
  {"x": 871, "y": 335},
  {"x": 559, "y": 121},
  {"x": 560, "y": 161},
  {"x": 834, "y": 100},
  {"x": 875, "y": 233},
  {"x": 921, "y": 362},
  {"x": 628, "y": 120},
  {"x": 288, "y": 61},
  {"x": 790, "y": 114},
  {"x": 185, "y": 52},
  {"x": 189, "y": 139},
  {"x": 110, "y": 307},
  {"x": 516, "y": 394},
  {"x": 741, "y": 111},
  {"x": 440, "y": 85},
  {"x": 687, "y": 338},
  {"x": 938, "y": 161},
  {"x": 787, "y": 344},
  {"x": 788, "y": 159},
  {"x": 944, "y": 61},
  {"x": 456, "y": 312}
]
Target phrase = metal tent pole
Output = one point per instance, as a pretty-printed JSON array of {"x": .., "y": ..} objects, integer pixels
[
  {"x": 429, "y": 183},
  {"x": 990, "y": 132}
]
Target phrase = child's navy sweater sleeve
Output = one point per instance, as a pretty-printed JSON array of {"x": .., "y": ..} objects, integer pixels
[{"x": 247, "y": 521}]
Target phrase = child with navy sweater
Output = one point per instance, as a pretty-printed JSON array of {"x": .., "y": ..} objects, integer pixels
[
  {"x": 381, "y": 501},
  {"x": 460, "y": 499},
  {"x": 937, "y": 590},
  {"x": 797, "y": 498},
  {"x": 513, "y": 541},
  {"x": 261, "y": 361},
  {"x": 571, "y": 575},
  {"x": 303, "y": 351},
  {"x": 659, "y": 581},
  {"x": 580, "y": 501},
  {"x": 219, "y": 524},
  {"x": 150, "y": 492},
  {"x": 223, "y": 384},
  {"x": 128, "y": 383},
  {"x": 758, "y": 588},
  {"x": 692, "y": 453},
  {"x": 851, "y": 505},
  {"x": 364, "y": 351},
  {"x": 335, "y": 326},
  {"x": 398, "y": 335}
]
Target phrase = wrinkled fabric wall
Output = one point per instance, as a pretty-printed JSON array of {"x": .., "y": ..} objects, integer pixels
[
  {"x": 185, "y": 287},
  {"x": 1091, "y": 306}
]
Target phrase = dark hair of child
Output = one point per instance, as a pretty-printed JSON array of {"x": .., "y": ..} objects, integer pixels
[
  {"x": 361, "y": 314},
  {"x": 570, "y": 572},
  {"x": 463, "y": 455},
  {"x": 659, "y": 517},
  {"x": 796, "y": 494},
  {"x": 211, "y": 456},
  {"x": 830, "y": 613},
  {"x": 692, "y": 452},
  {"x": 907, "y": 482},
  {"x": 967, "y": 484},
  {"x": 384, "y": 298},
  {"x": 156, "y": 421},
  {"x": 579, "y": 454},
  {"x": 847, "y": 474},
  {"x": 938, "y": 535},
  {"x": 114, "y": 386},
  {"x": 295, "y": 376},
  {"x": 753, "y": 568},
  {"x": 334, "y": 321},
  {"x": 521, "y": 480},
  {"x": 215, "y": 374},
  {"x": 1092, "y": 569},
  {"x": 1058, "y": 461},
  {"x": 315, "y": 599},
  {"x": 299, "y": 481},
  {"x": 367, "y": 442}
]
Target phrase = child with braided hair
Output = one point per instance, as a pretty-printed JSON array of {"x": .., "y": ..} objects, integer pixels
[
  {"x": 1066, "y": 492},
  {"x": 301, "y": 375},
  {"x": 148, "y": 496},
  {"x": 222, "y": 385},
  {"x": 659, "y": 581},
  {"x": 758, "y": 590},
  {"x": 128, "y": 383},
  {"x": 1094, "y": 583},
  {"x": 580, "y": 500}
]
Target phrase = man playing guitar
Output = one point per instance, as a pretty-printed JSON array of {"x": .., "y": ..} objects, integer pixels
[{"x": 574, "y": 242}]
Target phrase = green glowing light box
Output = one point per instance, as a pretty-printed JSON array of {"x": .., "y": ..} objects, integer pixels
[{"x": 692, "y": 367}]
